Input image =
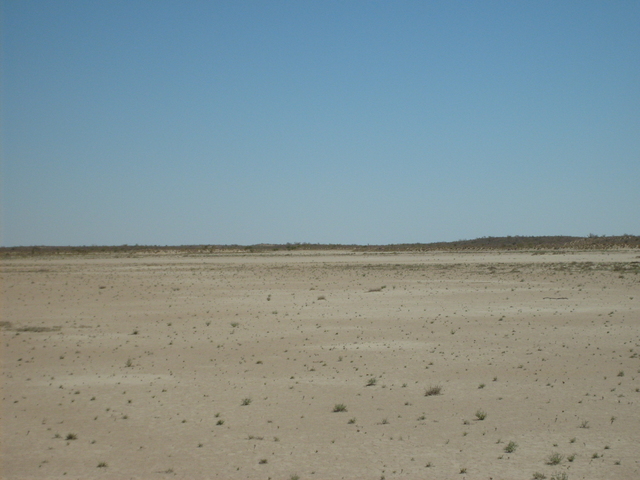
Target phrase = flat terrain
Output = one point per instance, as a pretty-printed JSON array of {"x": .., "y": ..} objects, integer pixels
[{"x": 231, "y": 366}]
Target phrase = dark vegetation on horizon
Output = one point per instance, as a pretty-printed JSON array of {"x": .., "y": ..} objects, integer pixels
[{"x": 552, "y": 243}]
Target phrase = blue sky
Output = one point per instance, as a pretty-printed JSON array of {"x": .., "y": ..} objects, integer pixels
[{"x": 370, "y": 122}]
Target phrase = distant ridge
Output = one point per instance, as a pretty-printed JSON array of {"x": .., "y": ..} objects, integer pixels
[{"x": 553, "y": 243}]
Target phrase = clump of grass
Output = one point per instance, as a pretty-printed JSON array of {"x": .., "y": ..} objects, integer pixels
[
  {"x": 511, "y": 447},
  {"x": 621, "y": 373},
  {"x": 102, "y": 465},
  {"x": 352, "y": 421},
  {"x": 463, "y": 470},
  {"x": 372, "y": 381},
  {"x": 538, "y": 476},
  {"x": 555, "y": 459},
  {"x": 294, "y": 477},
  {"x": 246, "y": 401},
  {"x": 129, "y": 363},
  {"x": 433, "y": 390},
  {"x": 263, "y": 461},
  {"x": 481, "y": 414},
  {"x": 571, "y": 457},
  {"x": 481, "y": 386},
  {"x": 234, "y": 324},
  {"x": 71, "y": 436},
  {"x": 584, "y": 424},
  {"x": 559, "y": 476},
  {"x": 339, "y": 407},
  {"x": 220, "y": 422}
]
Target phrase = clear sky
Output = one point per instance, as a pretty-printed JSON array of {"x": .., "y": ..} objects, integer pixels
[{"x": 370, "y": 122}]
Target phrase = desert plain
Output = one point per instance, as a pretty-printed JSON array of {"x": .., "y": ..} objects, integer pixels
[{"x": 322, "y": 365}]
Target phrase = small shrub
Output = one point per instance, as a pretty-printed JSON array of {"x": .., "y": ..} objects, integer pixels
[
  {"x": 102, "y": 465},
  {"x": 481, "y": 386},
  {"x": 352, "y": 421},
  {"x": 246, "y": 401},
  {"x": 560, "y": 476},
  {"x": 571, "y": 457},
  {"x": 220, "y": 422},
  {"x": 72, "y": 436},
  {"x": 481, "y": 414},
  {"x": 263, "y": 461},
  {"x": 584, "y": 424},
  {"x": 511, "y": 447},
  {"x": 234, "y": 324},
  {"x": 463, "y": 470},
  {"x": 554, "y": 459},
  {"x": 339, "y": 407},
  {"x": 539, "y": 476},
  {"x": 433, "y": 390}
]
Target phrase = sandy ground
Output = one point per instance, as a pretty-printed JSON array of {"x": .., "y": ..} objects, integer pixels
[{"x": 231, "y": 366}]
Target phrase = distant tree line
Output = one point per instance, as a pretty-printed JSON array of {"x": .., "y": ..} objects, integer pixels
[{"x": 554, "y": 243}]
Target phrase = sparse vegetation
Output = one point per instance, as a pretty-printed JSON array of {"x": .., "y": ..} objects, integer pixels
[
  {"x": 433, "y": 390},
  {"x": 559, "y": 476},
  {"x": 290, "y": 364},
  {"x": 511, "y": 447},
  {"x": 555, "y": 458}
]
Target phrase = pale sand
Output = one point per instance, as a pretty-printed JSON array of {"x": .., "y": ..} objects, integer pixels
[{"x": 541, "y": 343}]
